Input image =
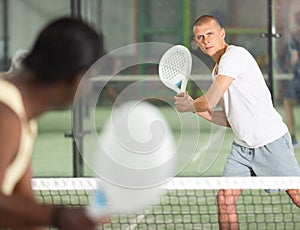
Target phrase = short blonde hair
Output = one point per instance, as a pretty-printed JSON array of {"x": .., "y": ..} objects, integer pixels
[{"x": 206, "y": 18}]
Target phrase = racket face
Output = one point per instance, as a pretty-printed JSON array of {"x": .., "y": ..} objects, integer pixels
[
  {"x": 175, "y": 68},
  {"x": 135, "y": 157}
]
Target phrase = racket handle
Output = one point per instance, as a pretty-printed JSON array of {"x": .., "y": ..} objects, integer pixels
[{"x": 98, "y": 206}]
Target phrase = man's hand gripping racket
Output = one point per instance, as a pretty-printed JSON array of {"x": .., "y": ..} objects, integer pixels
[{"x": 175, "y": 68}]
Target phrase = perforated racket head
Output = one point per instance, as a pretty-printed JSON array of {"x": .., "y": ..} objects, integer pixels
[{"x": 175, "y": 68}]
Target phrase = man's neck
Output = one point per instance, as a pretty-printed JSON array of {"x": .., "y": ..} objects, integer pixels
[{"x": 219, "y": 54}]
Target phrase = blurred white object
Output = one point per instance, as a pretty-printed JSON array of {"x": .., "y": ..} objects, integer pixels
[
  {"x": 135, "y": 158},
  {"x": 16, "y": 62}
]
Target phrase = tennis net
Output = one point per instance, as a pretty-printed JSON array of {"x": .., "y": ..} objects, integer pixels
[{"x": 190, "y": 202}]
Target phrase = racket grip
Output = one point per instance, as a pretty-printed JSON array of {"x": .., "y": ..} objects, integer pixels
[{"x": 98, "y": 206}]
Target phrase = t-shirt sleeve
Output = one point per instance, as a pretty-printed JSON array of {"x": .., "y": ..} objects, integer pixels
[{"x": 233, "y": 63}]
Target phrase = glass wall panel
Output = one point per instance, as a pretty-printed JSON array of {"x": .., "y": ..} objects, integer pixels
[
  {"x": 126, "y": 22},
  {"x": 25, "y": 19},
  {"x": 287, "y": 64}
]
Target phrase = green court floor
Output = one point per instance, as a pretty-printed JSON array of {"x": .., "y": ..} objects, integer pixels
[{"x": 52, "y": 156}]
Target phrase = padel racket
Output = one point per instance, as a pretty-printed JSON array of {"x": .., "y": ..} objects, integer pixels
[
  {"x": 175, "y": 68},
  {"x": 135, "y": 157}
]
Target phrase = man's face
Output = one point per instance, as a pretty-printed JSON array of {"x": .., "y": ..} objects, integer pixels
[{"x": 209, "y": 37}]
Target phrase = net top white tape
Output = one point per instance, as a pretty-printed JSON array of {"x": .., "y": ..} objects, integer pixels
[{"x": 178, "y": 183}]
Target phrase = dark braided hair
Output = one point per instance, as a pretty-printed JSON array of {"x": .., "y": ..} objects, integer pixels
[{"x": 64, "y": 48}]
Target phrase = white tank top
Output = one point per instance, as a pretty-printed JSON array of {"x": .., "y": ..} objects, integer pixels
[{"x": 11, "y": 97}]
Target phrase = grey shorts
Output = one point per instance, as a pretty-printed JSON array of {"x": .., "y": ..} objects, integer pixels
[{"x": 274, "y": 159}]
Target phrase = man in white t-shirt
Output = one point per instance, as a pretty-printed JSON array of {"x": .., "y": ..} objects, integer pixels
[{"x": 262, "y": 144}]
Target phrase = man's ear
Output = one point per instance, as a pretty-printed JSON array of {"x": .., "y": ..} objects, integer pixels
[{"x": 223, "y": 33}]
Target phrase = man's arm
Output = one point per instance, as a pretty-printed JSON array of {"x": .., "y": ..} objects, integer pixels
[
  {"x": 217, "y": 117},
  {"x": 208, "y": 101},
  {"x": 205, "y": 104}
]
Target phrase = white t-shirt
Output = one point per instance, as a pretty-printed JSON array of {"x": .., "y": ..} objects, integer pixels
[{"x": 248, "y": 104}]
